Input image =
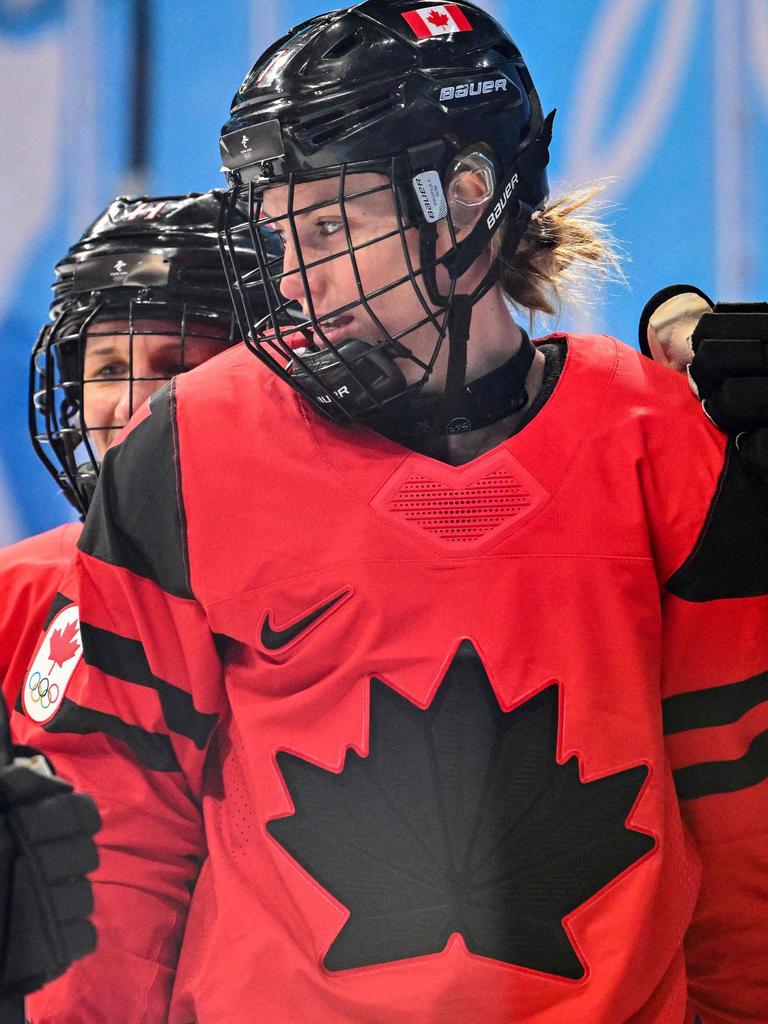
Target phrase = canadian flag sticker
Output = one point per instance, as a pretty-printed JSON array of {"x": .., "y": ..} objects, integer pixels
[
  {"x": 56, "y": 659},
  {"x": 440, "y": 20}
]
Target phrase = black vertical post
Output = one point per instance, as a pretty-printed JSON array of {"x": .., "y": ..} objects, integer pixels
[{"x": 140, "y": 95}]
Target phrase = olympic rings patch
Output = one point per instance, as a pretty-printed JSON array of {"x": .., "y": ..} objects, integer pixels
[
  {"x": 42, "y": 690},
  {"x": 55, "y": 661}
]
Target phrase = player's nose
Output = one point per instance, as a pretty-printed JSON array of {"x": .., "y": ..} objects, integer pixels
[
  {"x": 296, "y": 280},
  {"x": 291, "y": 282}
]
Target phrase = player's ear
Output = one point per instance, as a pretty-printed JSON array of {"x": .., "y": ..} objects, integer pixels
[{"x": 470, "y": 185}]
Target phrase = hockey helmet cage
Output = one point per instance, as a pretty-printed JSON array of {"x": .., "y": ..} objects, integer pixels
[{"x": 145, "y": 264}]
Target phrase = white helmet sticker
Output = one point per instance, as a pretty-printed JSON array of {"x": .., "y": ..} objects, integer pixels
[
  {"x": 56, "y": 659},
  {"x": 429, "y": 192}
]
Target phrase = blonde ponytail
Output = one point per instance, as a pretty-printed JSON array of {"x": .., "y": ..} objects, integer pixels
[{"x": 563, "y": 254}]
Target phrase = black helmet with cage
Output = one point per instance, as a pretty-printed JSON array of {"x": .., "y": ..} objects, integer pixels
[
  {"x": 414, "y": 94},
  {"x": 146, "y": 265}
]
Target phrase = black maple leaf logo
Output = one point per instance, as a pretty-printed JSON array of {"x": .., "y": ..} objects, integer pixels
[{"x": 460, "y": 820}]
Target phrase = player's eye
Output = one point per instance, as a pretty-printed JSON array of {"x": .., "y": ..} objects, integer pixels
[
  {"x": 330, "y": 227},
  {"x": 280, "y": 232},
  {"x": 109, "y": 371}
]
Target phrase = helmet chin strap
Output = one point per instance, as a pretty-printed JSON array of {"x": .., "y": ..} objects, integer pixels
[{"x": 459, "y": 322}]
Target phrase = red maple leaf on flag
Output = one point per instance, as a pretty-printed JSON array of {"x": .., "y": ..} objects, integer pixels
[
  {"x": 63, "y": 644},
  {"x": 437, "y": 19}
]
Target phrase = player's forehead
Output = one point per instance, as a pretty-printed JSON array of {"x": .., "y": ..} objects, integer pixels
[{"x": 368, "y": 192}]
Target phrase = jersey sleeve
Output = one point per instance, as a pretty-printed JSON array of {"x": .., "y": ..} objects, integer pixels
[
  {"x": 130, "y": 723},
  {"x": 715, "y": 716},
  {"x": 30, "y": 571}
]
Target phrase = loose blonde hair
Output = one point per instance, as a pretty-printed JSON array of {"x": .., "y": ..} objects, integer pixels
[{"x": 565, "y": 254}]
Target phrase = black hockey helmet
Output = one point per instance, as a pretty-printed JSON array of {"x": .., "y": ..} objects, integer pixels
[
  {"x": 415, "y": 93},
  {"x": 146, "y": 265}
]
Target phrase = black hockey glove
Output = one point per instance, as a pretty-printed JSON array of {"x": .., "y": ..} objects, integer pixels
[
  {"x": 730, "y": 371},
  {"x": 46, "y": 850}
]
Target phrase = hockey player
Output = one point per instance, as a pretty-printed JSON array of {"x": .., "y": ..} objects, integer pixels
[
  {"x": 141, "y": 296},
  {"x": 446, "y": 706}
]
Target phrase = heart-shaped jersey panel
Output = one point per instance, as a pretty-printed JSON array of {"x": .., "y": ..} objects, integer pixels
[{"x": 461, "y": 508}]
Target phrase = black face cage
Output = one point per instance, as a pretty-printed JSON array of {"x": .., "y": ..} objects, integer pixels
[
  {"x": 354, "y": 379},
  {"x": 61, "y": 436}
]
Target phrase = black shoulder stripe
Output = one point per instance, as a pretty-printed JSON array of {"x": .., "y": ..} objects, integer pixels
[
  {"x": 152, "y": 749},
  {"x": 725, "y": 776},
  {"x": 730, "y": 558},
  {"x": 125, "y": 659},
  {"x": 717, "y": 705},
  {"x": 59, "y": 602},
  {"x": 137, "y": 518}
]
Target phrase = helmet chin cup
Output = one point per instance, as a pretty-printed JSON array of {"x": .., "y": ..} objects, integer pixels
[{"x": 353, "y": 378}]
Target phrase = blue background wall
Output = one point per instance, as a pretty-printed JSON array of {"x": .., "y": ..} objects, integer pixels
[{"x": 667, "y": 98}]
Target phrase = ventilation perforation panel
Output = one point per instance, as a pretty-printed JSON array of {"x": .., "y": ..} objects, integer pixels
[{"x": 461, "y": 507}]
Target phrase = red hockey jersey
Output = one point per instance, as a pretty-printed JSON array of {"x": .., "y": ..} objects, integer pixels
[
  {"x": 30, "y": 575},
  {"x": 400, "y": 727}
]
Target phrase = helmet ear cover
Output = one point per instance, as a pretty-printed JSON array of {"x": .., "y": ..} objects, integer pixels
[{"x": 504, "y": 206}]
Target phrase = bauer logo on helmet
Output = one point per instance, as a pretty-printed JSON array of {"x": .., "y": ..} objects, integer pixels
[
  {"x": 466, "y": 90},
  {"x": 502, "y": 203}
]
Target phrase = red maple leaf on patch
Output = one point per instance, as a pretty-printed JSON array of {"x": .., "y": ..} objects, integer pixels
[
  {"x": 437, "y": 19},
  {"x": 63, "y": 644}
]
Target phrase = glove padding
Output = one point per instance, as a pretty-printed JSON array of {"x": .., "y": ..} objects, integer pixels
[
  {"x": 46, "y": 850},
  {"x": 730, "y": 372}
]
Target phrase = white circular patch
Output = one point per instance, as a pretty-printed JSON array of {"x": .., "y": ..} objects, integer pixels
[{"x": 56, "y": 659}]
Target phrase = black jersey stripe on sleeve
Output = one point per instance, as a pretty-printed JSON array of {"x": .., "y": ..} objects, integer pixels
[
  {"x": 126, "y": 659},
  {"x": 730, "y": 558},
  {"x": 716, "y": 705},
  {"x": 60, "y": 601},
  {"x": 152, "y": 749},
  {"x": 711, "y": 777},
  {"x": 137, "y": 518}
]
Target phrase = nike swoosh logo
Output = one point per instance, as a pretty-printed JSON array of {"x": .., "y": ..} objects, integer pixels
[{"x": 275, "y": 639}]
